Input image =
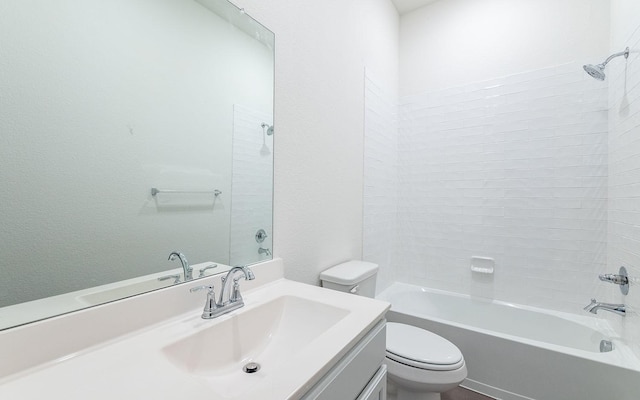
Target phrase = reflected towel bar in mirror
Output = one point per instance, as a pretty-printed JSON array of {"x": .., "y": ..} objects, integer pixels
[{"x": 215, "y": 192}]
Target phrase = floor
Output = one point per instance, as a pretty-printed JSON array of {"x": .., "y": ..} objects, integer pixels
[{"x": 460, "y": 393}]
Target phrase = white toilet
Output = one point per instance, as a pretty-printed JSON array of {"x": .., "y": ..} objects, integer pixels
[{"x": 421, "y": 364}]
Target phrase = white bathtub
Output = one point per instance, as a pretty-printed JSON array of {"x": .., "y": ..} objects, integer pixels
[{"x": 517, "y": 352}]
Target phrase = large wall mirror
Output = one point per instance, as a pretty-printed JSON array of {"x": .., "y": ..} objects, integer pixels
[{"x": 129, "y": 129}]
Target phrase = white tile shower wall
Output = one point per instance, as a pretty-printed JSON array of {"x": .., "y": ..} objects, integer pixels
[
  {"x": 515, "y": 169},
  {"x": 380, "y": 181},
  {"x": 624, "y": 174},
  {"x": 251, "y": 185}
]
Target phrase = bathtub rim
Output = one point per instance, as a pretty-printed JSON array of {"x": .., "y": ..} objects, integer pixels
[{"x": 622, "y": 356}]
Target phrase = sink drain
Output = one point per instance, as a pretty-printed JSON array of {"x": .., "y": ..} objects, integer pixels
[{"x": 251, "y": 367}]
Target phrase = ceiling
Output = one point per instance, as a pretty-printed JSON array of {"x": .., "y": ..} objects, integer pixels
[{"x": 404, "y": 6}]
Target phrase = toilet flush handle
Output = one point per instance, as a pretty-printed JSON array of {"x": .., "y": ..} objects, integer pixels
[{"x": 354, "y": 289}]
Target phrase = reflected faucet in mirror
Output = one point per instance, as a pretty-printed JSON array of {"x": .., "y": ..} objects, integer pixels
[
  {"x": 264, "y": 251},
  {"x": 202, "y": 274},
  {"x": 188, "y": 271},
  {"x": 176, "y": 278}
]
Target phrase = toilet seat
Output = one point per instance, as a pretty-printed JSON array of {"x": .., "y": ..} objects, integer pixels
[{"x": 421, "y": 349}]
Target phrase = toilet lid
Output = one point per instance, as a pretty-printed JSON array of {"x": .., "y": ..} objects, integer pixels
[{"x": 419, "y": 348}]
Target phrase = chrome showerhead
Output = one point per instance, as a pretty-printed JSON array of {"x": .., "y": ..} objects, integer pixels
[
  {"x": 597, "y": 71},
  {"x": 269, "y": 130}
]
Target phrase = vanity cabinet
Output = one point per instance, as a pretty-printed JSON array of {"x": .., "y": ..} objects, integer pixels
[
  {"x": 360, "y": 374},
  {"x": 377, "y": 387}
]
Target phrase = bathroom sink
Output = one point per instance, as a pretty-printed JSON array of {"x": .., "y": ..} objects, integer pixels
[
  {"x": 267, "y": 334},
  {"x": 296, "y": 332}
]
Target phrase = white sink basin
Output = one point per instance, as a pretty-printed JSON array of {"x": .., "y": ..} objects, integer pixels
[{"x": 266, "y": 334}]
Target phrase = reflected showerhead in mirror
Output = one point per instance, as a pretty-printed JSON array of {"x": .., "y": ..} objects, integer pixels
[
  {"x": 269, "y": 130},
  {"x": 597, "y": 71}
]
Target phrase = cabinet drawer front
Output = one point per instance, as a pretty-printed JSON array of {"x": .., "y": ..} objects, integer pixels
[
  {"x": 377, "y": 387},
  {"x": 348, "y": 378}
]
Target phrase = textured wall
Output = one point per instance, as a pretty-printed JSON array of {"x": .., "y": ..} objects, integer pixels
[
  {"x": 624, "y": 167},
  {"x": 514, "y": 168},
  {"x": 503, "y": 148},
  {"x": 456, "y": 42}
]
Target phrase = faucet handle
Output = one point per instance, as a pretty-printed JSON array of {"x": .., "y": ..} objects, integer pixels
[
  {"x": 235, "y": 295},
  {"x": 210, "y": 306},
  {"x": 206, "y": 268},
  {"x": 614, "y": 278},
  {"x": 176, "y": 278},
  {"x": 621, "y": 278},
  {"x": 209, "y": 289}
]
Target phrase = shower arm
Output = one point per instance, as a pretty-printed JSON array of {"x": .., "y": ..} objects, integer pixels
[{"x": 624, "y": 53}]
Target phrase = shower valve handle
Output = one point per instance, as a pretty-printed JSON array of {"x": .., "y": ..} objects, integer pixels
[
  {"x": 621, "y": 278},
  {"x": 614, "y": 278}
]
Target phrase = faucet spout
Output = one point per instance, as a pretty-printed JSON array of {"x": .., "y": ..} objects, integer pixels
[
  {"x": 226, "y": 282},
  {"x": 188, "y": 270},
  {"x": 594, "y": 306}
]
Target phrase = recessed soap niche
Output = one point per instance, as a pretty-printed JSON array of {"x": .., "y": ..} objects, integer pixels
[{"x": 482, "y": 265}]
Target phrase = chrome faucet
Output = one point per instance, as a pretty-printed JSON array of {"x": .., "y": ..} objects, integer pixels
[
  {"x": 214, "y": 308},
  {"x": 235, "y": 296},
  {"x": 264, "y": 251},
  {"x": 594, "y": 306},
  {"x": 621, "y": 278},
  {"x": 188, "y": 271}
]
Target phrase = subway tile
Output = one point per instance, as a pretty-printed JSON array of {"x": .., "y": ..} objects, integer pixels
[{"x": 523, "y": 168}]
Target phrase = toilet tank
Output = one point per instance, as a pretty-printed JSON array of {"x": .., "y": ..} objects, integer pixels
[{"x": 357, "y": 277}]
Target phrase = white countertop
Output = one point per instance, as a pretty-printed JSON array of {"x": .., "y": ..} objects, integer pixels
[
  {"x": 134, "y": 366},
  {"x": 35, "y": 310}
]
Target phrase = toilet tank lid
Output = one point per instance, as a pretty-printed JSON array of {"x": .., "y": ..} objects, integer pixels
[{"x": 350, "y": 272}]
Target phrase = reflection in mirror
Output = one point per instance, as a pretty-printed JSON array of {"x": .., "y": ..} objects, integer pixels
[{"x": 103, "y": 101}]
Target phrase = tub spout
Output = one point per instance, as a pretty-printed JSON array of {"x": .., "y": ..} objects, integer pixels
[{"x": 594, "y": 306}]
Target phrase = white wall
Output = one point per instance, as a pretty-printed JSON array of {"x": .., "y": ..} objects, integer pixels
[
  {"x": 455, "y": 42},
  {"x": 381, "y": 181},
  {"x": 322, "y": 48},
  {"x": 502, "y": 153},
  {"x": 103, "y": 101},
  {"x": 624, "y": 163},
  {"x": 515, "y": 169}
]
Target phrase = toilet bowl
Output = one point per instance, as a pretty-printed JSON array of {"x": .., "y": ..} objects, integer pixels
[{"x": 420, "y": 363}]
